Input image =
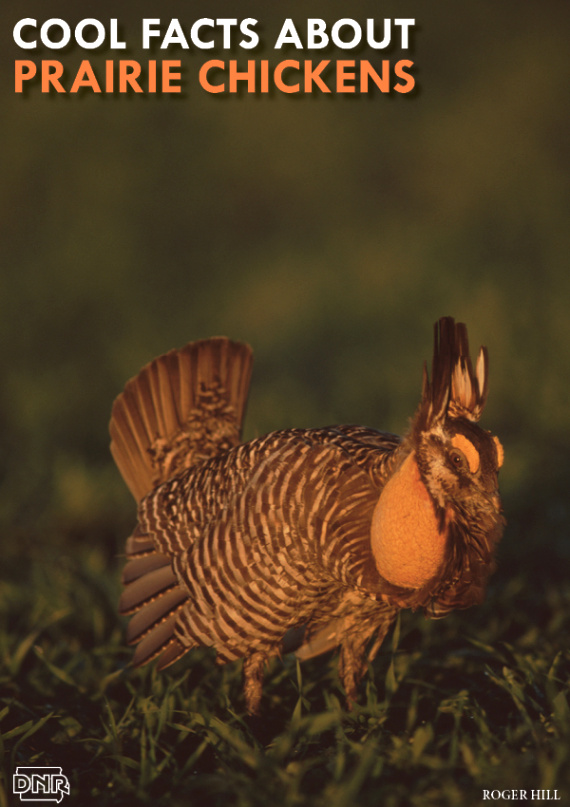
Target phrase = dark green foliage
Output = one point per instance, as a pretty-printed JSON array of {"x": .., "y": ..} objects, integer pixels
[{"x": 478, "y": 700}]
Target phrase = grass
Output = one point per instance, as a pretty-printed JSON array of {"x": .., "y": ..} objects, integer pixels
[{"x": 477, "y": 701}]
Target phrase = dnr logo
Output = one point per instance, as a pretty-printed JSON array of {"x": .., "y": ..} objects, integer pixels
[{"x": 40, "y": 784}]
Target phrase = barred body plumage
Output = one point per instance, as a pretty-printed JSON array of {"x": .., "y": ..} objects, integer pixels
[{"x": 268, "y": 546}]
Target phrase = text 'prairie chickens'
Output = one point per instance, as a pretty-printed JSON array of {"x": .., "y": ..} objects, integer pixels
[{"x": 305, "y": 539}]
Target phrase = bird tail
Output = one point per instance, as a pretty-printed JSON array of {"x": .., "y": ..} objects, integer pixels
[
  {"x": 455, "y": 389},
  {"x": 180, "y": 409}
]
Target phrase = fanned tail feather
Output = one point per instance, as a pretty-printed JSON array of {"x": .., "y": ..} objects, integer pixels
[{"x": 188, "y": 401}]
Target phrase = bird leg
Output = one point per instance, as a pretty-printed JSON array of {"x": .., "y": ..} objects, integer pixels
[
  {"x": 253, "y": 681},
  {"x": 352, "y": 666},
  {"x": 380, "y": 636}
]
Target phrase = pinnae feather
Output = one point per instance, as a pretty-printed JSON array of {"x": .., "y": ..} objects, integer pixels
[{"x": 455, "y": 389}]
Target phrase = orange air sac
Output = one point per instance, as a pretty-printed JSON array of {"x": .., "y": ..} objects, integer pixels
[{"x": 406, "y": 542}]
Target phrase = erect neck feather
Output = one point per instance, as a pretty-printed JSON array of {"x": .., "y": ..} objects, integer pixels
[{"x": 407, "y": 544}]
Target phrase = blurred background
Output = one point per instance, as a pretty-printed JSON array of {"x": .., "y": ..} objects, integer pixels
[{"x": 328, "y": 231}]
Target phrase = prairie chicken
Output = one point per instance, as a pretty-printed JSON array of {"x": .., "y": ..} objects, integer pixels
[{"x": 305, "y": 539}]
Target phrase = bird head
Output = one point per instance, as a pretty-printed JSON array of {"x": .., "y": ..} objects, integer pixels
[
  {"x": 458, "y": 460},
  {"x": 439, "y": 516}
]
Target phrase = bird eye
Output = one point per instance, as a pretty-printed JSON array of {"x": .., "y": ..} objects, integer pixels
[{"x": 458, "y": 459}]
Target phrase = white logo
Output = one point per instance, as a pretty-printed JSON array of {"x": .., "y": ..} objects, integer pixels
[{"x": 40, "y": 784}]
